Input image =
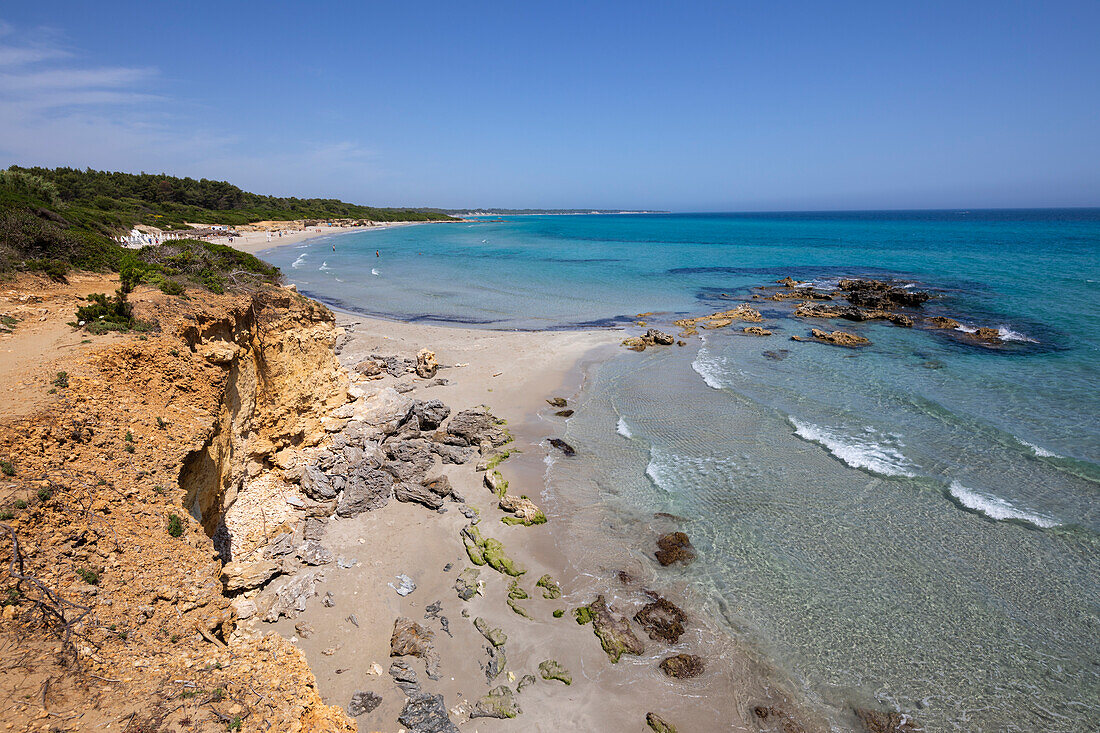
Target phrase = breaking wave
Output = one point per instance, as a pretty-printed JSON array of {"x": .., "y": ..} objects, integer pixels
[
  {"x": 374, "y": 271},
  {"x": 298, "y": 262},
  {"x": 1004, "y": 332},
  {"x": 707, "y": 367},
  {"x": 994, "y": 507},
  {"x": 623, "y": 429},
  {"x": 1037, "y": 450},
  {"x": 877, "y": 456}
]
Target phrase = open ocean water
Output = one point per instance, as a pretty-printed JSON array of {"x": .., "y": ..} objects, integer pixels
[{"x": 913, "y": 525}]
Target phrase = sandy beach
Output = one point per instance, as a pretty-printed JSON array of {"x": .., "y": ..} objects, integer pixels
[{"x": 254, "y": 242}]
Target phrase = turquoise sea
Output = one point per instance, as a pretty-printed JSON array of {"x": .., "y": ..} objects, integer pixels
[{"x": 913, "y": 525}]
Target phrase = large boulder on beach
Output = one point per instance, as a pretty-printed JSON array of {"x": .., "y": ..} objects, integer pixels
[
  {"x": 426, "y": 364},
  {"x": 368, "y": 489},
  {"x": 416, "y": 493},
  {"x": 425, "y": 713},
  {"x": 239, "y": 576},
  {"x": 662, "y": 620},
  {"x": 383, "y": 408},
  {"x": 411, "y": 639},
  {"x": 476, "y": 427},
  {"x": 430, "y": 414}
]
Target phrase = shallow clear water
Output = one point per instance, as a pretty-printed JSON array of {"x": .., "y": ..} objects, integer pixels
[{"x": 913, "y": 524}]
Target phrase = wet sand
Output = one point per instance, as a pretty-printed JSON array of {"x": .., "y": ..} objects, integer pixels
[{"x": 513, "y": 373}]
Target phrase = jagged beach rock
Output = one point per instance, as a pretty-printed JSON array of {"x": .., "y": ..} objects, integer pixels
[
  {"x": 523, "y": 508},
  {"x": 370, "y": 368},
  {"x": 368, "y": 489},
  {"x": 499, "y": 703},
  {"x": 837, "y": 338},
  {"x": 431, "y": 414},
  {"x": 474, "y": 427},
  {"x": 557, "y": 402},
  {"x": 382, "y": 408},
  {"x": 314, "y": 553},
  {"x": 662, "y": 620},
  {"x": 417, "y": 493},
  {"x": 875, "y": 721},
  {"x": 363, "y": 703},
  {"x": 426, "y": 364},
  {"x": 452, "y": 453},
  {"x": 404, "y": 677},
  {"x": 657, "y": 723},
  {"x": 881, "y": 294},
  {"x": 683, "y": 666},
  {"x": 942, "y": 322},
  {"x": 424, "y": 713},
  {"x": 495, "y": 663},
  {"x": 411, "y": 639},
  {"x": 634, "y": 343},
  {"x": 564, "y": 413},
  {"x": 757, "y": 331},
  {"x": 467, "y": 583},
  {"x": 614, "y": 632},
  {"x": 245, "y": 575},
  {"x": 674, "y": 547},
  {"x": 550, "y": 588},
  {"x": 563, "y": 446},
  {"x": 852, "y": 313},
  {"x": 659, "y": 338},
  {"x": 288, "y": 597}
]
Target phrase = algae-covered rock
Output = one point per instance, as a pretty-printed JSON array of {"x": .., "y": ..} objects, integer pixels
[
  {"x": 662, "y": 620},
  {"x": 496, "y": 662},
  {"x": 515, "y": 593},
  {"x": 496, "y": 637},
  {"x": 614, "y": 632},
  {"x": 550, "y": 587},
  {"x": 559, "y": 612},
  {"x": 493, "y": 551},
  {"x": 499, "y": 703},
  {"x": 473, "y": 541},
  {"x": 683, "y": 666},
  {"x": 467, "y": 583},
  {"x": 557, "y": 402},
  {"x": 875, "y": 721},
  {"x": 659, "y": 724},
  {"x": 583, "y": 615},
  {"x": 551, "y": 670},
  {"x": 674, "y": 547},
  {"x": 526, "y": 681},
  {"x": 525, "y": 511},
  {"x": 496, "y": 483}
]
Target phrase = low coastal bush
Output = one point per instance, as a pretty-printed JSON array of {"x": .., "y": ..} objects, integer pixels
[
  {"x": 90, "y": 577},
  {"x": 175, "y": 525},
  {"x": 107, "y": 313},
  {"x": 61, "y": 380},
  {"x": 7, "y": 467},
  {"x": 44, "y": 494}
]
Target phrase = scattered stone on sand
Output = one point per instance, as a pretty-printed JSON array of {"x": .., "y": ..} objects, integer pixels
[
  {"x": 239, "y": 576},
  {"x": 417, "y": 494},
  {"x": 782, "y": 718},
  {"x": 557, "y": 402},
  {"x": 329, "y": 600},
  {"x": 424, "y": 713},
  {"x": 431, "y": 414},
  {"x": 614, "y": 632},
  {"x": 362, "y": 703},
  {"x": 563, "y": 446},
  {"x": 370, "y": 368},
  {"x": 526, "y": 681},
  {"x": 525, "y": 511},
  {"x": 496, "y": 637},
  {"x": 550, "y": 588},
  {"x": 314, "y": 553},
  {"x": 405, "y": 585},
  {"x": 674, "y": 547},
  {"x": 467, "y": 583},
  {"x": 288, "y": 597},
  {"x": 304, "y": 630},
  {"x": 426, "y": 364},
  {"x": 495, "y": 662},
  {"x": 435, "y": 610},
  {"x": 875, "y": 721},
  {"x": 551, "y": 670},
  {"x": 495, "y": 482},
  {"x": 683, "y": 666},
  {"x": 499, "y": 703},
  {"x": 516, "y": 594},
  {"x": 404, "y": 677},
  {"x": 634, "y": 343},
  {"x": 757, "y": 331},
  {"x": 659, "y": 724},
  {"x": 659, "y": 338},
  {"x": 412, "y": 639},
  {"x": 371, "y": 489},
  {"x": 662, "y": 620}
]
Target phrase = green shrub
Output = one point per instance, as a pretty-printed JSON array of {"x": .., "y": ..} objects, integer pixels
[
  {"x": 61, "y": 380},
  {"x": 175, "y": 525},
  {"x": 172, "y": 287},
  {"x": 7, "y": 467},
  {"x": 108, "y": 314},
  {"x": 44, "y": 493},
  {"x": 6, "y": 514},
  {"x": 90, "y": 577},
  {"x": 20, "y": 503}
]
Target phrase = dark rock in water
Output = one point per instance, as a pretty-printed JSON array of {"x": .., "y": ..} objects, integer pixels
[
  {"x": 614, "y": 632},
  {"x": 852, "y": 313},
  {"x": 942, "y": 322},
  {"x": 418, "y": 493},
  {"x": 362, "y": 703},
  {"x": 430, "y": 414},
  {"x": 314, "y": 528},
  {"x": 564, "y": 413},
  {"x": 662, "y": 620},
  {"x": 476, "y": 427},
  {"x": 777, "y": 355},
  {"x": 412, "y": 639},
  {"x": 499, "y": 703},
  {"x": 557, "y": 402},
  {"x": 370, "y": 489},
  {"x": 563, "y": 446},
  {"x": 659, "y": 724},
  {"x": 875, "y": 721},
  {"x": 881, "y": 294},
  {"x": 781, "y": 717},
  {"x": 836, "y": 338},
  {"x": 625, "y": 578},
  {"x": 658, "y": 337},
  {"x": 674, "y": 547},
  {"x": 425, "y": 713},
  {"x": 683, "y": 666}
]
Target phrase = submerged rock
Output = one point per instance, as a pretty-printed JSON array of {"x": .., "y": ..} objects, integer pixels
[
  {"x": 757, "y": 331},
  {"x": 777, "y": 355},
  {"x": 564, "y": 413},
  {"x": 499, "y": 703},
  {"x": 683, "y": 666},
  {"x": 362, "y": 703},
  {"x": 563, "y": 446},
  {"x": 550, "y": 588},
  {"x": 942, "y": 322},
  {"x": 662, "y": 620},
  {"x": 875, "y": 721},
  {"x": 551, "y": 670},
  {"x": 614, "y": 632},
  {"x": 674, "y": 547},
  {"x": 557, "y": 402},
  {"x": 836, "y": 338},
  {"x": 659, "y": 724},
  {"x": 785, "y": 720}
]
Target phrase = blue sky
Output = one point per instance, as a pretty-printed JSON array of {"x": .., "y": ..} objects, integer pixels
[{"x": 683, "y": 106}]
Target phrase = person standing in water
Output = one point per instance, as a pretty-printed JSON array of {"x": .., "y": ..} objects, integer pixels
[{"x": 376, "y": 253}]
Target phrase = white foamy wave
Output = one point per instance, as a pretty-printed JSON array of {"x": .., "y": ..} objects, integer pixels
[
  {"x": 324, "y": 266},
  {"x": 708, "y": 368},
  {"x": 1003, "y": 332},
  {"x": 1039, "y": 451},
  {"x": 995, "y": 507},
  {"x": 374, "y": 271},
  {"x": 871, "y": 451},
  {"x": 298, "y": 262},
  {"x": 623, "y": 429}
]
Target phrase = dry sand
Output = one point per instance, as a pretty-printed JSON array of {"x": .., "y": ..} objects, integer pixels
[{"x": 255, "y": 242}]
